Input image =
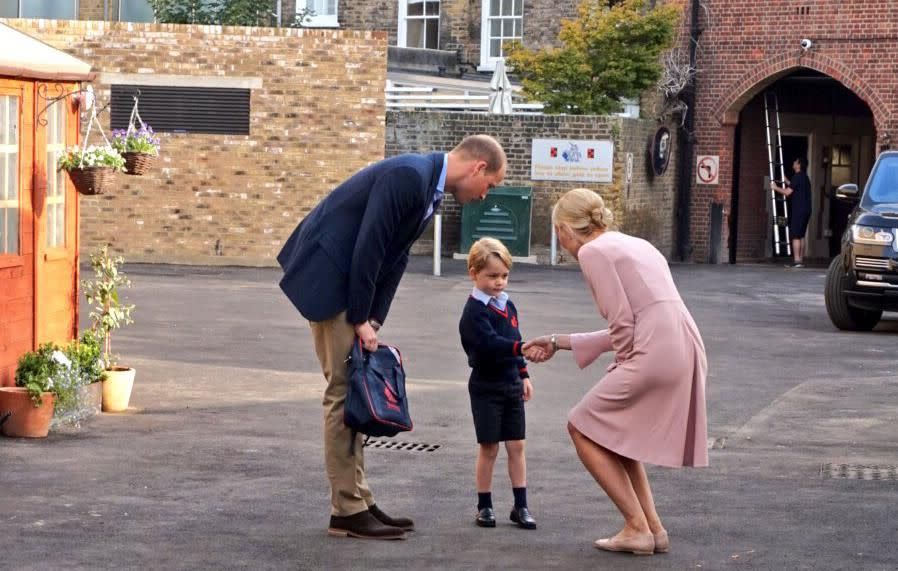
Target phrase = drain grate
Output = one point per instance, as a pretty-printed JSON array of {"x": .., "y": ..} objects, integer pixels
[
  {"x": 858, "y": 472},
  {"x": 401, "y": 445}
]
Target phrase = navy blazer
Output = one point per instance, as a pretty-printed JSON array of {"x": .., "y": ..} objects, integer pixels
[{"x": 351, "y": 250}]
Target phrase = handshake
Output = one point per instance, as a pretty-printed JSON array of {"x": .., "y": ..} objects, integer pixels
[{"x": 540, "y": 349}]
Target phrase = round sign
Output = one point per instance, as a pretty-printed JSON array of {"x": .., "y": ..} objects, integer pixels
[{"x": 660, "y": 150}]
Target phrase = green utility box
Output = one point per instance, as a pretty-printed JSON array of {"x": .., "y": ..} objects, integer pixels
[{"x": 505, "y": 215}]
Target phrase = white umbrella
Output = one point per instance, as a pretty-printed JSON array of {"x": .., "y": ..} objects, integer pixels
[{"x": 500, "y": 98}]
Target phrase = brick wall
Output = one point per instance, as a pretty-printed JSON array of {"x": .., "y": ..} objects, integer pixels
[
  {"x": 214, "y": 199},
  {"x": 93, "y": 9},
  {"x": 745, "y": 46},
  {"x": 643, "y": 208}
]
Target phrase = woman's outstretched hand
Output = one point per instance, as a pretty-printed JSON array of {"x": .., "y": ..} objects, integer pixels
[{"x": 539, "y": 350}]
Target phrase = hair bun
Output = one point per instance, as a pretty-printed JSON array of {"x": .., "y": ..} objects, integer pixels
[{"x": 601, "y": 216}]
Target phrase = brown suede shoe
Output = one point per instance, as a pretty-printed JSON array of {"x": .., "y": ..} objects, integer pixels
[
  {"x": 404, "y": 523},
  {"x": 362, "y": 525}
]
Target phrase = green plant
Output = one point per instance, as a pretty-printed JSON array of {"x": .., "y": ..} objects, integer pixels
[
  {"x": 108, "y": 313},
  {"x": 85, "y": 354},
  {"x": 49, "y": 370},
  {"x": 612, "y": 50},
  {"x": 224, "y": 12},
  {"x": 142, "y": 140},
  {"x": 92, "y": 156}
]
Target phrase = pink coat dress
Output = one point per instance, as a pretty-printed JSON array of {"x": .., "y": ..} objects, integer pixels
[{"x": 650, "y": 406}]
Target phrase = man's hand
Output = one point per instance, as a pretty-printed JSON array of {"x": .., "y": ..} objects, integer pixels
[
  {"x": 539, "y": 350},
  {"x": 528, "y": 389},
  {"x": 368, "y": 336}
]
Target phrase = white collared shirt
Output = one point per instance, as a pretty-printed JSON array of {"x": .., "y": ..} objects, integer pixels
[{"x": 499, "y": 301}]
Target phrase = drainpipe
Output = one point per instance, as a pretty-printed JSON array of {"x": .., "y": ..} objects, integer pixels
[{"x": 686, "y": 139}]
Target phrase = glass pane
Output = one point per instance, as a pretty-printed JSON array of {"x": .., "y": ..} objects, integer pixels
[
  {"x": 415, "y": 9},
  {"x": 12, "y": 231},
  {"x": 60, "y": 225},
  {"x": 433, "y": 33},
  {"x": 517, "y": 28},
  {"x": 518, "y": 7},
  {"x": 12, "y": 171},
  {"x": 495, "y": 48},
  {"x": 60, "y": 176},
  {"x": 11, "y": 136},
  {"x": 507, "y": 28},
  {"x": 52, "y": 9},
  {"x": 494, "y": 7},
  {"x": 136, "y": 11},
  {"x": 507, "y": 7},
  {"x": 51, "y": 180},
  {"x": 415, "y": 34},
  {"x": 433, "y": 8},
  {"x": 3, "y": 169},
  {"x": 60, "y": 124},
  {"x": 331, "y": 8},
  {"x": 9, "y": 8},
  {"x": 495, "y": 28}
]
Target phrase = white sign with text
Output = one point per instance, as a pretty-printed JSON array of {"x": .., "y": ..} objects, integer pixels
[{"x": 569, "y": 159}]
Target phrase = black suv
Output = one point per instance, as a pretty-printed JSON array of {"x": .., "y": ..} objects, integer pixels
[{"x": 862, "y": 281}]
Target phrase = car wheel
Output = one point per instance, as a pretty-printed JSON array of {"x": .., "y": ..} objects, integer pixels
[{"x": 843, "y": 315}]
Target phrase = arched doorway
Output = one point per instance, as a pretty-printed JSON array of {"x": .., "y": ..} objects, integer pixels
[{"x": 823, "y": 121}]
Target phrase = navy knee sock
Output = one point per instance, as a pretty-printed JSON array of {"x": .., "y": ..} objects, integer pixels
[
  {"x": 520, "y": 497},
  {"x": 484, "y": 500}
]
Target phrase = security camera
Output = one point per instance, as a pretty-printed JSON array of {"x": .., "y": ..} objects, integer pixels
[{"x": 806, "y": 44}]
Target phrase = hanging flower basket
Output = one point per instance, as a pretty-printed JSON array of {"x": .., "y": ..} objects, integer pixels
[
  {"x": 139, "y": 147},
  {"x": 92, "y": 180},
  {"x": 92, "y": 170},
  {"x": 138, "y": 163}
]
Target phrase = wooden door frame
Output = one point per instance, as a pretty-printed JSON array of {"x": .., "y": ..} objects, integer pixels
[
  {"x": 24, "y": 90},
  {"x": 42, "y": 254}
]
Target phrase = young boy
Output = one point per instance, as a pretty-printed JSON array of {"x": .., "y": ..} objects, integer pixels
[{"x": 499, "y": 383}]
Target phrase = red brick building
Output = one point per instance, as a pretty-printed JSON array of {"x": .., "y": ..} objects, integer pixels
[{"x": 838, "y": 98}]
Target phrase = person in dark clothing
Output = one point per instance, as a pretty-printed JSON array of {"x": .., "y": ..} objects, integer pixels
[
  {"x": 798, "y": 190},
  {"x": 499, "y": 382}
]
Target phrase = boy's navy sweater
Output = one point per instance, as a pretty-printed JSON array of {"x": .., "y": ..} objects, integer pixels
[{"x": 492, "y": 342}]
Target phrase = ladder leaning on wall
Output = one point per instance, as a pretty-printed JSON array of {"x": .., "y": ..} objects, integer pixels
[{"x": 779, "y": 206}]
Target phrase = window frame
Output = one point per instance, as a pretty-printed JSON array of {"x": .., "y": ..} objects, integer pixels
[
  {"x": 322, "y": 21},
  {"x": 8, "y": 259},
  {"x": 402, "y": 31},
  {"x": 76, "y": 3},
  {"x": 120, "y": 2},
  {"x": 488, "y": 63}
]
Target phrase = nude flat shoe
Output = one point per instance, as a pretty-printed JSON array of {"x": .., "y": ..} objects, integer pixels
[
  {"x": 640, "y": 545},
  {"x": 662, "y": 542}
]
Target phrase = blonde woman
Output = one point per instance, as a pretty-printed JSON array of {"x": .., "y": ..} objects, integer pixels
[{"x": 650, "y": 405}]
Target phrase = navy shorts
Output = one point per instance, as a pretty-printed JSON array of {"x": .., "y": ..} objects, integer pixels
[{"x": 498, "y": 415}]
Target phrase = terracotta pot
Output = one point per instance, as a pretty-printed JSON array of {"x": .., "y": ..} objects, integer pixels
[
  {"x": 26, "y": 421},
  {"x": 117, "y": 388}
]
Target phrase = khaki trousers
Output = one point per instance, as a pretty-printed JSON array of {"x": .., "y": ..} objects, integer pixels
[{"x": 345, "y": 471}]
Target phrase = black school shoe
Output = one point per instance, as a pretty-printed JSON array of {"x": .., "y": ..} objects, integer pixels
[
  {"x": 486, "y": 518},
  {"x": 522, "y": 517}
]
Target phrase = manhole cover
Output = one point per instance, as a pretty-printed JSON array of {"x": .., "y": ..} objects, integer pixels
[
  {"x": 401, "y": 445},
  {"x": 858, "y": 472}
]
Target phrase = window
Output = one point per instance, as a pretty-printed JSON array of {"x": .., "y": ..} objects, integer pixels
[
  {"x": 325, "y": 13},
  {"x": 502, "y": 20},
  {"x": 221, "y": 110},
  {"x": 135, "y": 11},
  {"x": 55, "y": 205},
  {"x": 419, "y": 24},
  {"x": 9, "y": 174},
  {"x": 50, "y": 9}
]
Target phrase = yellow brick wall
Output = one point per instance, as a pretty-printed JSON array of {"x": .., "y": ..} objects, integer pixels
[{"x": 227, "y": 199}]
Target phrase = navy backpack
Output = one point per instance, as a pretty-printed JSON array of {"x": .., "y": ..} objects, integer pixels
[{"x": 376, "y": 402}]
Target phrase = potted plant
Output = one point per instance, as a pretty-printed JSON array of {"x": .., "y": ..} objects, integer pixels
[
  {"x": 46, "y": 385},
  {"x": 86, "y": 356},
  {"x": 93, "y": 169},
  {"x": 139, "y": 147},
  {"x": 108, "y": 313}
]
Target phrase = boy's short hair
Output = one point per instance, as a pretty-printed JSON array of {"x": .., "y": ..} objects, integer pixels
[{"x": 481, "y": 250}]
